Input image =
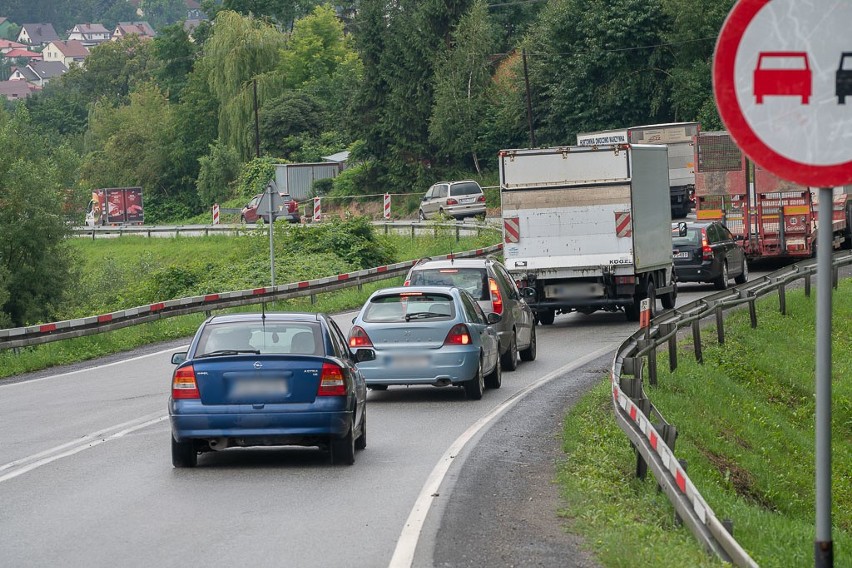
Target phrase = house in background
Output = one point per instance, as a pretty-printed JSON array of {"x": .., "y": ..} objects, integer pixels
[
  {"x": 70, "y": 53},
  {"x": 8, "y": 45},
  {"x": 39, "y": 73},
  {"x": 5, "y": 26},
  {"x": 142, "y": 29},
  {"x": 89, "y": 34},
  {"x": 16, "y": 90},
  {"x": 19, "y": 53},
  {"x": 37, "y": 35}
]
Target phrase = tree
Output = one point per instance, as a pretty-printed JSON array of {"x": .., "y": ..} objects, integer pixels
[
  {"x": 285, "y": 12},
  {"x": 112, "y": 69},
  {"x": 175, "y": 55},
  {"x": 241, "y": 49},
  {"x": 597, "y": 65},
  {"x": 35, "y": 260},
  {"x": 161, "y": 13},
  {"x": 286, "y": 119},
  {"x": 462, "y": 79},
  {"x": 217, "y": 173}
]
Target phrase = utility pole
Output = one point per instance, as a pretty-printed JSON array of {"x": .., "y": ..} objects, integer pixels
[{"x": 269, "y": 186}]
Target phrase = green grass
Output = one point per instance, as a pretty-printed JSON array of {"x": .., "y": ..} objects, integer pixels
[
  {"x": 132, "y": 271},
  {"x": 745, "y": 420}
]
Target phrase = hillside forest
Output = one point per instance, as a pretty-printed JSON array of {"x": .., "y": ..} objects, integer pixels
[{"x": 415, "y": 90}]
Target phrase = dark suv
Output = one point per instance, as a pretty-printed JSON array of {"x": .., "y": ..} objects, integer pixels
[
  {"x": 490, "y": 284},
  {"x": 706, "y": 251}
]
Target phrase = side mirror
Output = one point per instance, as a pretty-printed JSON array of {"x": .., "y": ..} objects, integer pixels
[
  {"x": 493, "y": 318},
  {"x": 365, "y": 355},
  {"x": 178, "y": 358},
  {"x": 681, "y": 229}
]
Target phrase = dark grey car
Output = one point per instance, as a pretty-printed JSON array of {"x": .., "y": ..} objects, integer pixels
[
  {"x": 706, "y": 251},
  {"x": 491, "y": 285}
]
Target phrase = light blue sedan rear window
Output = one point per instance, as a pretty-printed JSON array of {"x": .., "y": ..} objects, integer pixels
[{"x": 409, "y": 306}]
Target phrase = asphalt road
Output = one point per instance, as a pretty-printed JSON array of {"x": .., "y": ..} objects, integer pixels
[{"x": 86, "y": 478}]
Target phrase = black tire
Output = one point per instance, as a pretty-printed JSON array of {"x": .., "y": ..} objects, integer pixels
[
  {"x": 546, "y": 317},
  {"x": 509, "y": 359},
  {"x": 378, "y": 387},
  {"x": 721, "y": 282},
  {"x": 343, "y": 449},
  {"x": 473, "y": 388},
  {"x": 651, "y": 295},
  {"x": 529, "y": 353},
  {"x": 361, "y": 441},
  {"x": 242, "y": 218},
  {"x": 495, "y": 379},
  {"x": 184, "y": 453},
  {"x": 742, "y": 277},
  {"x": 669, "y": 300},
  {"x": 421, "y": 215}
]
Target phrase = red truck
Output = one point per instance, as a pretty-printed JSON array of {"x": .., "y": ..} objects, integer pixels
[
  {"x": 769, "y": 216},
  {"x": 115, "y": 206}
]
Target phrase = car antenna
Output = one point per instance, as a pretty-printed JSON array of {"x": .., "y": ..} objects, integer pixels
[{"x": 263, "y": 311}]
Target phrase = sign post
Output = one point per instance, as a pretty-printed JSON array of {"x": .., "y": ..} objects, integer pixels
[
  {"x": 387, "y": 207},
  {"x": 780, "y": 78}
]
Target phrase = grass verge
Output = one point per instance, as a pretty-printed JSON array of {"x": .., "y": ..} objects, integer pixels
[{"x": 745, "y": 420}]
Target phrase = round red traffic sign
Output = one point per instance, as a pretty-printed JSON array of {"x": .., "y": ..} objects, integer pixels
[{"x": 782, "y": 74}]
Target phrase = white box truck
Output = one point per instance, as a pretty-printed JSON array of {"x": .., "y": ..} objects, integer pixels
[
  {"x": 677, "y": 136},
  {"x": 587, "y": 228}
]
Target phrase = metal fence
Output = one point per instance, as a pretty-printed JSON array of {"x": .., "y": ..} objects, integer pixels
[
  {"x": 55, "y": 331},
  {"x": 649, "y": 432}
]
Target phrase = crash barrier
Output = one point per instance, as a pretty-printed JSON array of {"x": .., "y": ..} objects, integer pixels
[
  {"x": 650, "y": 434},
  {"x": 412, "y": 227},
  {"x": 55, "y": 331}
]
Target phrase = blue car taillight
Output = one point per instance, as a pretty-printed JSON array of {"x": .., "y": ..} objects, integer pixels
[
  {"x": 459, "y": 335},
  {"x": 332, "y": 381},
  {"x": 183, "y": 383}
]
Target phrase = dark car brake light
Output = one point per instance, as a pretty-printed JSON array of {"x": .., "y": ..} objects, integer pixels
[
  {"x": 481, "y": 199},
  {"x": 459, "y": 335},
  {"x": 183, "y": 383},
  {"x": 706, "y": 249},
  {"x": 359, "y": 338},
  {"x": 332, "y": 381},
  {"x": 496, "y": 297}
]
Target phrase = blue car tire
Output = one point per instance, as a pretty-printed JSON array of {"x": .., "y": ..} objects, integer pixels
[{"x": 184, "y": 453}]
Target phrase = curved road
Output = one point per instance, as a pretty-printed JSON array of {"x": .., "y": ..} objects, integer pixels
[{"x": 86, "y": 478}]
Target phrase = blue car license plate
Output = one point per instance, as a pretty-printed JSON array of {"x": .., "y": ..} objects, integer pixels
[{"x": 258, "y": 387}]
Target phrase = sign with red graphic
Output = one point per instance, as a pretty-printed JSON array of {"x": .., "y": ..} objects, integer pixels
[
  {"x": 215, "y": 213},
  {"x": 511, "y": 230},
  {"x": 781, "y": 73},
  {"x": 317, "y": 209},
  {"x": 623, "y": 228},
  {"x": 387, "y": 206}
]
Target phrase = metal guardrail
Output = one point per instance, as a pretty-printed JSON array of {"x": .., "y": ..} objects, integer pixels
[
  {"x": 55, "y": 331},
  {"x": 646, "y": 427},
  {"x": 414, "y": 227}
]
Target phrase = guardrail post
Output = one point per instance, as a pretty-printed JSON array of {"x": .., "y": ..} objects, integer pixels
[
  {"x": 752, "y": 312},
  {"x": 808, "y": 285},
  {"x": 412, "y": 232},
  {"x": 360, "y": 284},
  {"x": 729, "y": 526},
  {"x": 387, "y": 229},
  {"x": 666, "y": 329},
  {"x": 313, "y": 299},
  {"x": 696, "y": 341},
  {"x": 720, "y": 325},
  {"x": 652, "y": 365},
  {"x": 458, "y": 233},
  {"x": 782, "y": 299}
]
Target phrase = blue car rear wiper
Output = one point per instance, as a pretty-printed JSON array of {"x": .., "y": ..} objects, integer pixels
[
  {"x": 424, "y": 315},
  {"x": 229, "y": 352}
]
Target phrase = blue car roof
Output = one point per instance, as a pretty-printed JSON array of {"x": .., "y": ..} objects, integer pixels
[{"x": 271, "y": 316}]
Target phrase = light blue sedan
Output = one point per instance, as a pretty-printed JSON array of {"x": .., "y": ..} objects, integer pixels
[{"x": 427, "y": 335}]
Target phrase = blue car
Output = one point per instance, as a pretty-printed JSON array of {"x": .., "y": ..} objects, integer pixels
[
  {"x": 427, "y": 335},
  {"x": 274, "y": 379}
]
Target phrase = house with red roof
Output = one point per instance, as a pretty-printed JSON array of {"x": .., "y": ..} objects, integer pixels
[
  {"x": 7, "y": 45},
  {"x": 37, "y": 35},
  {"x": 16, "y": 90},
  {"x": 70, "y": 53},
  {"x": 22, "y": 53}
]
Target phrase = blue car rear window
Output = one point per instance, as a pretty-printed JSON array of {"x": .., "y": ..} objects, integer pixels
[
  {"x": 301, "y": 338},
  {"x": 408, "y": 306}
]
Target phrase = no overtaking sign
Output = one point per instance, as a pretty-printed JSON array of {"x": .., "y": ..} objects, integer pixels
[{"x": 782, "y": 74}]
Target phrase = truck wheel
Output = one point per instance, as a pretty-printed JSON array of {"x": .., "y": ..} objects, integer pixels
[
  {"x": 546, "y": 317},
  {"x": 670, "y": 300},
  {"x": 651, "y": 294},
  {"x": 632, "y": 311}
]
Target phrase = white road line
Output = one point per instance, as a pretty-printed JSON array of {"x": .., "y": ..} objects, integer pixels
[
  {"x": 403, "y": 554},
  {"x": 90, "y": 441},
  {"x": 88, "y": 369}
]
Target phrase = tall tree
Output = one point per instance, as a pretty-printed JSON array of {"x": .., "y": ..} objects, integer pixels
[
  {"x": 161, "y": 13},
  {"x": 35, "y": 261},
  {"x": 462, "y": 81},
  {"x": 175, "y": 55},
  {"x": 598, "y": 64},
  {"x": 241, "y": 49}
]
